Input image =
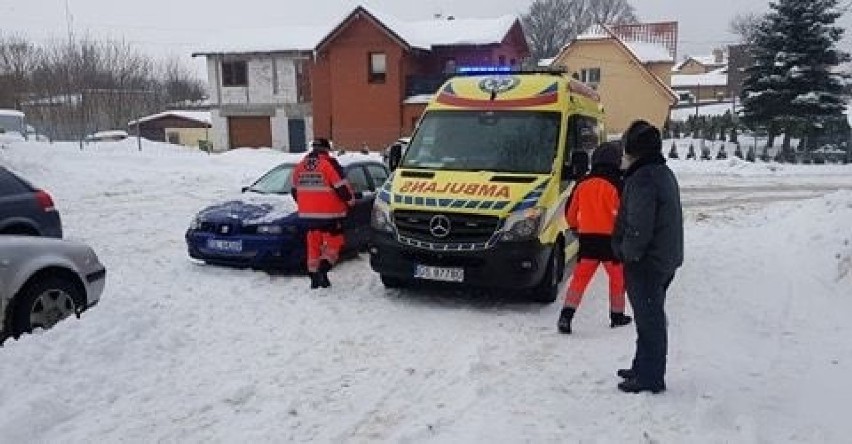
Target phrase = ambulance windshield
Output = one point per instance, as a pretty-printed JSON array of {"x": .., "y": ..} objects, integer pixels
[{"x": 500, "y": 141}]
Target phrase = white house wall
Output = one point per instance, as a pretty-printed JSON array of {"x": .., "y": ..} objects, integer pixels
[{"x": 271, "y": 91}]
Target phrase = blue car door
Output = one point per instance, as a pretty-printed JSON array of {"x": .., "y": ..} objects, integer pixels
[{"x": 357, "y": 221}]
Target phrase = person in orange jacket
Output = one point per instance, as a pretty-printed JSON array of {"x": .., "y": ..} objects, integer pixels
[
  {"x": 323, "y": 196},
  {"x": 591, "y": 214}
]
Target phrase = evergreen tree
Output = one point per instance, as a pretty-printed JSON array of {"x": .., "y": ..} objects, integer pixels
[
  {"x": 673, "y": 152},
  {"x": 738, "y": 152},
  {"x": 793, "y": 86},
  {"x": 722, "y": 154},
  {"x": 690, "y": 155}
]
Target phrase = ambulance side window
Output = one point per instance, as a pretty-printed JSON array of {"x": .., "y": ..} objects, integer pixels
[{"x": 582, "y": 139}]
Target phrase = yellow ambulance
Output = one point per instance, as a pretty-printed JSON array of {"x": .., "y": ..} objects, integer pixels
[{"x": 479, "y": 197}]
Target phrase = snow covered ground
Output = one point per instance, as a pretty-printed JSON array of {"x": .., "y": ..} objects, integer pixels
[{"x": 181, "y": 352}]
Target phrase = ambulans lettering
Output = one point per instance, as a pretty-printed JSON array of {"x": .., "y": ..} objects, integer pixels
[{"x": 456, "y": 188}]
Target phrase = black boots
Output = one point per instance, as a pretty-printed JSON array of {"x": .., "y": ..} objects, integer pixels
[
  {"x": 324, "y": 268},
  {"x": 626, "y": 373},
  {"x": 619, "y": 319},
  {"x": 635, "y": 386},
  {"x": 319, "y": 279},
  {"x": 615, "y": 320},
  {"x": 315, "y": 280},
  {"x": 565, "y": 318}
]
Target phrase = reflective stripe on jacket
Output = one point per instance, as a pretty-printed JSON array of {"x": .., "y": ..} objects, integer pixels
[{"x": 322, "y": 191}]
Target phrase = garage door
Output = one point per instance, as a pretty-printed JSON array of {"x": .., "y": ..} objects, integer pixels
[{"x": 250, "y": 132}]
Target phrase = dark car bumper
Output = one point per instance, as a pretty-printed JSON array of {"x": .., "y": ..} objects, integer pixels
[
  {"x": 517, "y": 265},
  {"x": 258, "y": 251}
]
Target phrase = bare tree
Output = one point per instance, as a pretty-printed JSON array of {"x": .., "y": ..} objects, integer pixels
[
  {"x": 745, "y": 26},
  {"x": 552, "y": 24},
  {"x": 18, "y": 58},
  {"x": 611, "y": 12},
  {"x": 180, "y": 85},
  {"x": 69, "y": 88}
]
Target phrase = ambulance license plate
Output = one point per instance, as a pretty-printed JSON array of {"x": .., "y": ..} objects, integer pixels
[{"x": 439, "y": 274}]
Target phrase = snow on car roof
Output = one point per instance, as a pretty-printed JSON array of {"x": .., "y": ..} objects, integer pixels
[{"x": 11, "y": 113}]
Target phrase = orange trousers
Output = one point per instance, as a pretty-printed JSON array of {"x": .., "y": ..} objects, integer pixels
[
  {"x": 583, "y": 273},
  {"x": 323, "y": 244}
]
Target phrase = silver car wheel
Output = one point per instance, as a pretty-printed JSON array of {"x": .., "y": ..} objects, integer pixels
[{"x": 51, "y": 307}]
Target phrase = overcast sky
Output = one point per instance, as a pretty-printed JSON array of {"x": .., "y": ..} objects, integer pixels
[{"x": 177, "y": 27}]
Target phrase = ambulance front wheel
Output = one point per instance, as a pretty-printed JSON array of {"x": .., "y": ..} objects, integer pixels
[
  {"x": 392, "y": 282},
  {"x": 547, "y": 291}
]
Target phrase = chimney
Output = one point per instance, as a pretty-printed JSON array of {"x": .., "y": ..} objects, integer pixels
[{"x": 718, "y": 56}]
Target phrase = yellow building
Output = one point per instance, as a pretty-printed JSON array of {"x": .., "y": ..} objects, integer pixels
[{"x": 630, "y": 66}]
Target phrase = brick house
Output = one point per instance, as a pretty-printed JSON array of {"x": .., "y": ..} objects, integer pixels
[{"x": 373, "y": 74}]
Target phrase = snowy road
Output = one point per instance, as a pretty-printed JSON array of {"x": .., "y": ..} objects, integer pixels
[
  {"x": 728, "y": 196},
  {"x": 181, "y": 352}
]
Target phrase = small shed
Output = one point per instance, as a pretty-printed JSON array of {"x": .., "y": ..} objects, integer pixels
[{"x": 189, "y": 128}]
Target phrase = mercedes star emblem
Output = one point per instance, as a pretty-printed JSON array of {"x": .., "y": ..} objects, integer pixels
[{"x": 439, "y": 226}]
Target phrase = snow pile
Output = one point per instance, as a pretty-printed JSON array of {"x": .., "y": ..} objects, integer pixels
[{"x": 181, "y": 352}]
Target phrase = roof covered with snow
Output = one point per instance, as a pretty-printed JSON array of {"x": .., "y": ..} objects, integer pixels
[
  {"x": 428, "y": 34},
  {"x": 645, "y": 51},
  {"x": 424, "y": 34},
  {"x": 195, "y": 116},
  {"x": 649, "y": 52},
  {"x": 718, "y": 77},
  {"x": 544, "y": 63},
  {"x": 264, "y": 40},
  {"x": 707, "y": 60}
]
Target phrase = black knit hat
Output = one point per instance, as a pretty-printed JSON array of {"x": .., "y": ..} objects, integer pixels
[
  {"x": 609, "y": 153},
  {"x": 321, "y": 144},
  {"x": 642, "y": 139}
]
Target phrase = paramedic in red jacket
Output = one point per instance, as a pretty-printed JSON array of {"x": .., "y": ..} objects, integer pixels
[
  {"x": 323, "y": 196},
  {"x": 591, "y": 214}
]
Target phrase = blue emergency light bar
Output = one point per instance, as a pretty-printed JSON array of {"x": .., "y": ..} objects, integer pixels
[
  {"x": 473, "y": 70},
  {"x": 484, "y": 69}
]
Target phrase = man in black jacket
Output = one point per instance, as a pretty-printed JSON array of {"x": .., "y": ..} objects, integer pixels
[{"x": 648, "y": 238}]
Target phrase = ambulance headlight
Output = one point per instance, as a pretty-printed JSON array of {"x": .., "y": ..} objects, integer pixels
[
  {"x": 523, "y": 225},
  {"x": 380, "y": 219}
]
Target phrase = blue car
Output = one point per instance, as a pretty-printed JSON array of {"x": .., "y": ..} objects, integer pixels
[{"x": 262, "y": 229}]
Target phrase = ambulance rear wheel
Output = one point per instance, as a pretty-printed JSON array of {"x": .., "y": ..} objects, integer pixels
[
  {"x": 392, "y": 282},
  {"x": 547, "y": 291}
]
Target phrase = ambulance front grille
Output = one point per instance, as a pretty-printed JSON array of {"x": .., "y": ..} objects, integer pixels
[{"x": 466, "y": 231}]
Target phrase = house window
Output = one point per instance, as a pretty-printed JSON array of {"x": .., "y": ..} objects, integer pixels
[
  {"x": 501, "y": 60},
  {"x": 234, "y": 74},
  {"x": 378, "y": 67},
  {"x": 592, "y": 76}
]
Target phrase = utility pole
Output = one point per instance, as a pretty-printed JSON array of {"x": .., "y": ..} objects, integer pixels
[{"x": 69, "y": 21}]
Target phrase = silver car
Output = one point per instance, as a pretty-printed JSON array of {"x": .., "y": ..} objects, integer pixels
[{"x": 43, "y": 281}]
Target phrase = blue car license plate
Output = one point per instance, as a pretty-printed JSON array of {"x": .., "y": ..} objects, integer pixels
[
  {"x": 225, "y": 246},
  {"x": 440, "y": 274}
]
